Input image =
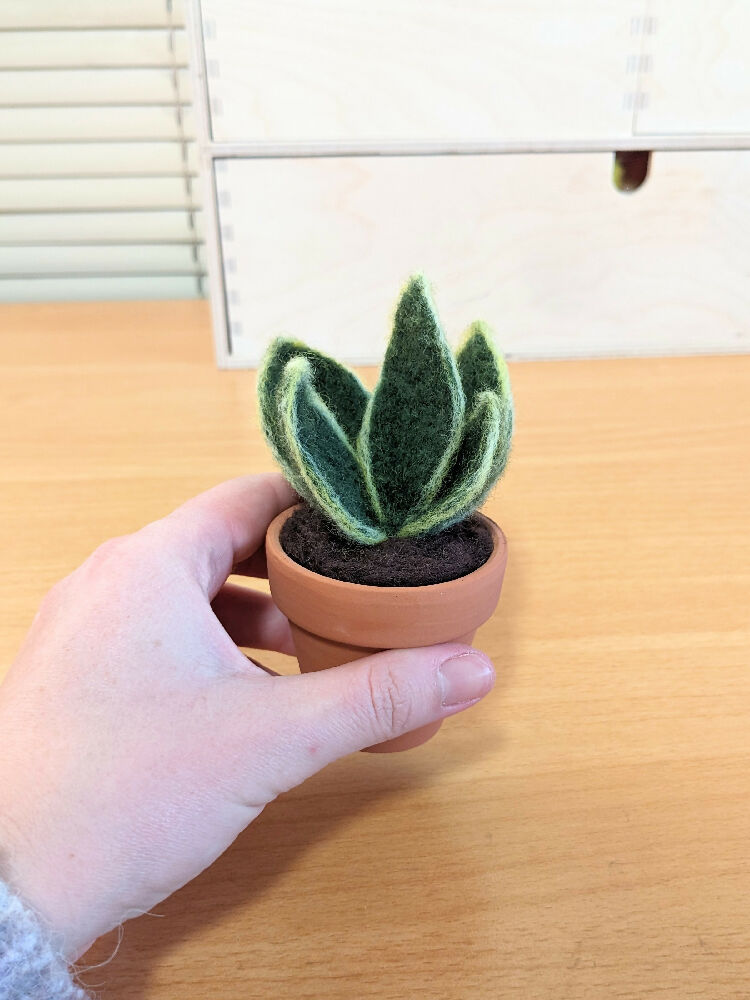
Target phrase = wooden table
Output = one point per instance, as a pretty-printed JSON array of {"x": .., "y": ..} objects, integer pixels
[{"x": 584, "y": 833}]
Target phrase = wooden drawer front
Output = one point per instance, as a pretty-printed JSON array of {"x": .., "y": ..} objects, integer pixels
[
  {"x": 403, "y": 70},
  {"x": 695, "y": 73},
  {"x": 543, "y": 247}
]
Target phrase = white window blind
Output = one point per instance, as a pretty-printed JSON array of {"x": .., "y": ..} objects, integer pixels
[{"x": 98, "y": 168}]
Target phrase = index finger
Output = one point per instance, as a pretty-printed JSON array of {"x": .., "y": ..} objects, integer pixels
[{"x": 224, "y": 526}]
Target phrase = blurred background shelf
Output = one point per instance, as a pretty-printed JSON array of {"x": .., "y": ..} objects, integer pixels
[
  {"x": 542, "y": 246},
  {"x": 299, "y": 160},
  {"x": 342, "y": 71},
  {"x": 348, "y": 144}
]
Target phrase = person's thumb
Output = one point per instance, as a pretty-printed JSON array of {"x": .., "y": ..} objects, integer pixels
[{"x": 322, "y": 716}]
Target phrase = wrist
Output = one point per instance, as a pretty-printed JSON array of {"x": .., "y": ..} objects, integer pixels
[
  {"x": 33, "y": 870},
  {"x": 30, "y": 964}
]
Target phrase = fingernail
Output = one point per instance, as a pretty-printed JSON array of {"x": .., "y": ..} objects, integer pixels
[{"x": 465, "y": 678}]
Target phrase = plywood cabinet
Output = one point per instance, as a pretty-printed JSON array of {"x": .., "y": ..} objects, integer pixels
[
  {"x": 404, "y": 70},
  {"x": 695, "y": 74},
  {"x": 347, "y": 144},
  {"x": 543, "y": 246}
]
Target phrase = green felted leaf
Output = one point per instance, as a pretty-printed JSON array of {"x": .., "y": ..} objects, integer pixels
[
  {"x": 482, "y": 367},
  {"x": 413, "y": 420},
  {"x": 468, "y": 478},
  {"x": 480, "y": 364},
  {"x": 502, "y": 452},
  {"x": 340, "y": 389},
  {"x": 418, "y": 455},
  {"x": 331, "y": 476}
]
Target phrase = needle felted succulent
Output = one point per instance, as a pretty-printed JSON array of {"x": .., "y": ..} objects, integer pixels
[{"x": 419, "y": 453}]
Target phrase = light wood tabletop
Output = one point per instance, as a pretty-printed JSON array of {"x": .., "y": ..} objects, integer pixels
[{"x": 584, "y": 832}]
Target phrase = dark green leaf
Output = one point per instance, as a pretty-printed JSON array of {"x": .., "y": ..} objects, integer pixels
[
  {"x": 482, "y": 367},
  {"x": 480, "y": 364},
  {"x": 470, "y": 475},
  {"x": 414, "y": 418},
  {"x": 340, "y": 389},
  {"x": 329, "y": 468}
]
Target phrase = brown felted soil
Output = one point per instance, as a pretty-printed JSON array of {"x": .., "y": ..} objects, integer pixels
[{"x": 312, "y": 541}]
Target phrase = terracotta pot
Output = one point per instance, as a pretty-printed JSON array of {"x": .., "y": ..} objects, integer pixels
[{"x": 334, "y": 622}]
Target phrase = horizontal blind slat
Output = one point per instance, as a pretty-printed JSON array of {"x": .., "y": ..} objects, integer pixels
[
  {"x": 45, "y": 14},
  {"x": 101, "y": 227},
  {"x": 92, "y": 86},
  {"x": 97, "y": 289},
  {"x": 84, "y": 159},
  {"x": 162, "y": 258},
  {"x": 97, "y": 163},
  {"x": 98, "y": 49},
  {"x": 79, "y": 124},
  {"x": 70, "y": 194}
]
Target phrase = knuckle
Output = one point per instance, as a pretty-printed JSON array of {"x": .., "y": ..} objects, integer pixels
[
  {"x": 110, "y": 562},
  {"x": 52, "y": 600},
  {"x": 109, "y": 549},
  {"x": 389, "y": 703},
  {"x": 114, "y": 552}
]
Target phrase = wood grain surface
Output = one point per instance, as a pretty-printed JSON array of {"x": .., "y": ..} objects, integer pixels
[
  {"x": 693, "y": 69},
  {"x": 542, "y": 247},
  {"x": 584, "y": 832},
  {"x": 340, "y": 71}
]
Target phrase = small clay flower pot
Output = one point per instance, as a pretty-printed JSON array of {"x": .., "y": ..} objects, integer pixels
[{"x": 334, "y": 622}]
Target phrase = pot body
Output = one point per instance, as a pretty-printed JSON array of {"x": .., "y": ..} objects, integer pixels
[{"x": 335, "y": 622}]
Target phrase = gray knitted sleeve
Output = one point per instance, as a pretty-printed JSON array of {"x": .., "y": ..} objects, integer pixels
[{"x": 29, "y": 967}]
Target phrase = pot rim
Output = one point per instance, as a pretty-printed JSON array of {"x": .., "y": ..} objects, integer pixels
[
  {"x": 372, "y": 617},
  {"x": 488, "y": 568}
]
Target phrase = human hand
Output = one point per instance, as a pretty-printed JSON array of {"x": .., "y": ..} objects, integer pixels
[{"x": 138, "y": 741}]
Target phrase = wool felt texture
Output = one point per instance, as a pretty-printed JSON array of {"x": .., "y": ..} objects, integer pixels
[
  {"x": 326, "y": 461},
  {"x": 419, "y": 454},
  {"x": 413, "y": 420},
  {"x": 29, "y": 967},
  {"x": 338, "y": 387},
  {"x": 311, "y": 540},
  {"x": 483, "y": 368},
  {"x": 470, "y": 471}
]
